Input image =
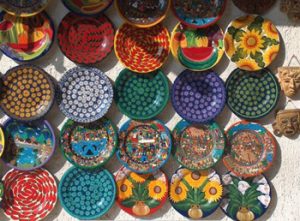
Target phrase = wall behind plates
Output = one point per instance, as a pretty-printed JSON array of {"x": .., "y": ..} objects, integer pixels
[{"x": 285, "y": 173}]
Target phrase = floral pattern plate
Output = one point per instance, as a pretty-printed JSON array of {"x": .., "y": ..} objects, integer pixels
[
  {"x": 252, "y": 42},
  {"x": 90, "y": 7},
  {"x": 254, "y": 6}
]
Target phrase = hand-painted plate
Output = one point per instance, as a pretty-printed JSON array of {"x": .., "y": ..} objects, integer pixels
[
  {"x": 198, "y": 13},
  {"x": 251, "y": 149},
  {"x": 195, "y": 48},
  {"x": 144, "y": 146},
  {"x": 87, "y": 194},
  {"x": 27, "y": 93},
  {"x": 246, "y": 199},
  {"x": 90, "y": 7},
  {"x": 86, "y": 94},
  {"x": 198, "y": 97},
  {"x": 142, "y": 50},
  {"x": 252, "y": 95},
  {"x": 252, "y": 42},
  {"x": 139, "y": 96},
  {"x": 141, "y": 194},
  {"x": 2, "y": 142},
  {"x": 144, "y": 14},
  {"x": 26, "y": 39},
  {"x": 195, "y": 194},
  {"x": 86, "y": 40},
  {"x": 254, "y": 6},
  {"x": 90, "y": 145},
  {"x": 29, "y": 195},
  {"x": 198, "y": 147}
]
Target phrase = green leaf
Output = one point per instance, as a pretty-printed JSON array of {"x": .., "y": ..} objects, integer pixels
[
  {"x": 256, "y": 24},
  {"x": 152, "y": 203},
  {"x": 184, "y": 206},
  {"x": 233, "y": 190},
  {"x": 232, "y": 30},
  {"x": 208, "y": 206},
  {"x": 128, "y": 202},
  {"x": 135, "y": 193},
  {"x": 256, "y": 209},
  {"x": 232, "y": 209},
  {"x": 238, "y": 35}
]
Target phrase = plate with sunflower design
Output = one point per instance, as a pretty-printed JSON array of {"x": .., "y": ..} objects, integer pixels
[
  {"x": 87, "y": 7},
  {"x": 141, "y": 194},
  {"x": 195, "y": 194},
  {"x": 252, "y": 42}
]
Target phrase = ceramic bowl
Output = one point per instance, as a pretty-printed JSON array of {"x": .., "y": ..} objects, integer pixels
[{"x": 89, "y": 7}]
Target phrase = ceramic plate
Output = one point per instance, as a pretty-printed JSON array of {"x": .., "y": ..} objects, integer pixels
[
  {"x": 142, "y": 50},
  {"x": 245, "y": 199},
  {"x": 195, "y": 194},
  {"x": 26, "y": 39},
  {"x": 88, "y": 145},
  {"x": 90, "y": 7},
  {"x": 27, "y": 93},
  {"x": 87, "y": 94},
  {"x": 254, "y": 6},
  {"x": 252, "y": 42},
  {"x": 144, "y": 146},
  {"x": 139, "y": 96},
  {"x": 195, "y": 48},
  {"x": 87, "y": 194},
  {"x": 1, "y": 191},
  {"x": 29, "y": 195},
  {"x": 251, "y": 149},
  {"x": 198, "y": 147},
  {"x": 198, "y": 97},
  {"x": 141, "y": 194},
  {"x": 2, "y": 142},
  {"x": 86, "y": 40},
  {"x": 252, "y": 95}
]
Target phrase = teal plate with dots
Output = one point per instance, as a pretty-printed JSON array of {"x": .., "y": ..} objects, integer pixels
[
  {"x": 141, "y": 96},
  {"x": 87, "y": 194}
]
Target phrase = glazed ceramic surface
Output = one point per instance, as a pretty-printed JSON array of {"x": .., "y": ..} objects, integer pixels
[
  {"x": 251, "y": 149},
  {"x": 25, "y": 39},
  {"x": 252, "y": 95},
  {"x": 252, "y": 42},
  {"x": 144, "y": 146},
  {"x": 27, "y": 93},
  {"x": 141, "y": 96},
  {"x": 87, "y": 194},
  {"x": 141, "y": 194},
  {"x": 142, "y": 50},
  {"x": 86, "y": 94},
  {"x": 29, "y": 195},
  {"x": 254, "y": 6},
  {"x": 197, "y": 48},
  {"x": 86, "y": 40},
  {"x": 87, "y": 7},
  {"x": 198, "y": 97},
  {"x": 2, "y": 142}
]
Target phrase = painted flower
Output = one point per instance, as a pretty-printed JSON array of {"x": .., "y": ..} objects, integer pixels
[
  {"x": 157, "y": 189},
  {"x": 213, "y": 191},
  {"x": 226, "y": 179},
  {"x": 260, "y": 179},
  {"x": 241, "y": 21},
  {"x": 195, "y": 179},
  {"x": 124, "y": 189},
  {"x": 264, "y": 188},
  {"x": 243, "y": 186},
  {"x": 247, "y": 64},
  {"x": 271, "y": 54},
  {"x": 215, "y": 178},
  {"x": 183, "y": 172},
  {"x": 229, "y": 46},
  {"x": 139, "y": 178},
  {"x": 251, "y": 42},
  {"x": 265, "y": 200},
  {"x": 178, "y": 192},
  {"x": 270, "y": 30}
]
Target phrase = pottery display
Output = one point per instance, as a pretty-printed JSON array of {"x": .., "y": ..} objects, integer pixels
[
  {"x": 254, "y": 6},
  {"x": 87, "y": 7},
  {"x": 289, "y": 79},
  {"x": 287, "y": 123}
]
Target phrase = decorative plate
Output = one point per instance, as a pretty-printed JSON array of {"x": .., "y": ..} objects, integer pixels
[
  {"x": 197, "y": 48},
  {"x": 88, "y": 145},
  {"x": 27, "y": 93},
  {"x": 198, "y": 13},
  {"x": 141, "y": 96},
  {"x": 84, "y": 7},
  {"x": 26, "y": 39},
  {"x": 141, "y": 194},
  {"x": 251, "y": 149},
  {"x": 29, "y": 195},
  {"x": 245, "y": 199},
  {"x": 87, "y": 94},
  {"x": 254, "y": 6},
  {"x": 252, "y": 95},
  {"x": 144, "y": 146},
  {"x": 195, "y": 194},
  {"x": 87, "y": 194},
  {"x": 198, "y": 147},
  {"x": 198, "y": 97},
  {"x": 1, "y": 191},
  {"x": 86, "y": 40},
  {"x": 142, "y": 50},
  {"x": 252, "y": 42},
  {"x": 2, "y": 142},
  {"x": 144, "y": 14}
]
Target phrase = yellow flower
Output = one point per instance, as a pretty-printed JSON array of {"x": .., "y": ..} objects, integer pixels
[
  {"x": 251, "y": 42},
  {"x": 195, "y": 179},
  {"x": 229, "y": 46},
  {"x": 270, "y": 30},
  {"x": 124, "y": 189},
  {"x": 242, "y": 21},
  {"x": 157, "y": 189},
  {"x": 213, "y": 191},
  {"x": 248, "y": 65},
  {"x": 139, "y": 178},
  {"x": 270, "y": 54},
  {"x": 178, "y": 192}
]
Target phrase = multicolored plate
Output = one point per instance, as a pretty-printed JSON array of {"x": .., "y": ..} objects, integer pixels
[
  {"x": 251, "y": 149},
  {"x": 142, "y": 50},
  {"x": 141, "y": 194},
  {"x": 90, "y": 145},
  {"x": 2, "y": 142},
  {"x": 27, "y": 93},
  {"x": 144, "y": 146},
  {"x": 86, "y": 40},
  {"x": 252, "y": 95},
  {"x": 139, "y": 96},
  {"x": 195, "y": 194},
  {"x": 29, "y": 195},
  {"x": 198, "y": 97},
  {"x": 254, "y": 6},
  {"x": 197, "y": 48},
  {"x": 87, "y": 194},
  {"x": 86, "y": 94},
  {"x": 252, "y": 42},
  {"x": 198, "y": 147},
  {"x": 87, "y": 7}
]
